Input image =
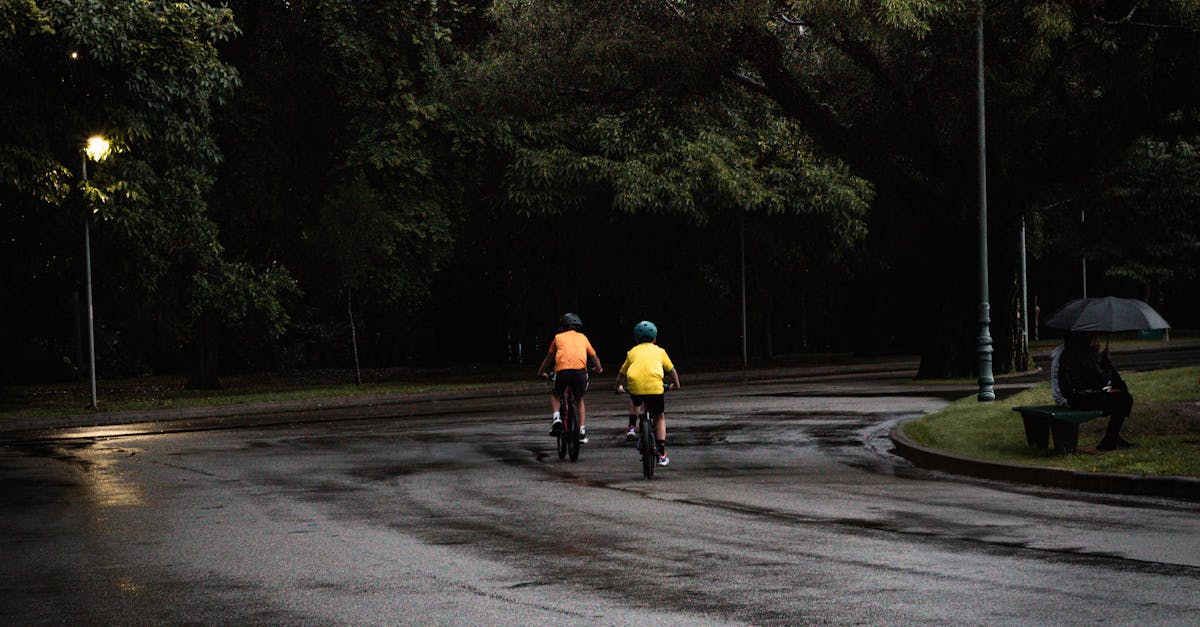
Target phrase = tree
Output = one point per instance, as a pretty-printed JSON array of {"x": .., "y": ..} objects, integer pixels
[
  {"x": 1141, "y": 224},
  {"x": 886, "y": 88},
  {"x": 148, "y": 76},
  {"x": 587, "y": 185},
  {"x": 341, "y": 163}
]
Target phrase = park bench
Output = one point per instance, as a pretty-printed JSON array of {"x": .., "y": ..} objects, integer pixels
[{"x": 1044, "y": 421}]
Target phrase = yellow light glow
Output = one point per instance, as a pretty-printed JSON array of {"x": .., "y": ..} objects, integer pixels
[
  {"x": 97, "y": 148},
  {"x": 74, "y": 55}
]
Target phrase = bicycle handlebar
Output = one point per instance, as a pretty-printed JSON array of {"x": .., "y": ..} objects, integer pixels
[
  {"x": 667, "y": 387},
  {"x": 550, "y": 374}
]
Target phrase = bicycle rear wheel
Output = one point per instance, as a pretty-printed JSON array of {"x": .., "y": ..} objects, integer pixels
[
  {"x": 646, "y": 444},
  {"x": 563, "y": 434},
  {"x": 572, "y": 430}
]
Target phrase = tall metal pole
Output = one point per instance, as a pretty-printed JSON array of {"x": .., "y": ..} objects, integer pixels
[
  {"x": 986, "y": 382},
  {"x": 1024, "y": 292},
  {"x": 1082, "y": 219},
  {"x": 742, "y": 248},
  {"x": 87, "y": 256}
]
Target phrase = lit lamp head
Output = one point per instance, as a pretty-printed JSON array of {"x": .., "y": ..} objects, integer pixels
[{"x": 97, "y": 148}]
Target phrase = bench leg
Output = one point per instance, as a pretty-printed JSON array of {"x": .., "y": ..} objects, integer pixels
[
  {"x": 1037, "y": 431},
  {"x": 1066, "y": 436}
]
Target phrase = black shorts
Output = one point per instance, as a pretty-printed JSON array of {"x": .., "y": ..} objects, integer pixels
[
  {"x": 655, "y": 403},
  {"x": 577, "y": 379}
]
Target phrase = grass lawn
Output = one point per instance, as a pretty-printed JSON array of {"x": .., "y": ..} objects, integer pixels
[
  {"x": 1165, "y": 424},
  {"x": 170, "y": 392}
]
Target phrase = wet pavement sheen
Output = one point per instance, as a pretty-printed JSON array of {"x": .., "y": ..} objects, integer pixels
[{"x": 782, "y": 505}]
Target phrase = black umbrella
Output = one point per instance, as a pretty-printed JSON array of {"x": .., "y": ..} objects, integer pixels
[{"x": 1106, "y": 315}]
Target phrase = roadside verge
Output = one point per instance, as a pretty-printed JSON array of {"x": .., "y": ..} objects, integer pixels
[
  {"x": 388, "y": 404},
  {"x": 1186, "y": 488}
]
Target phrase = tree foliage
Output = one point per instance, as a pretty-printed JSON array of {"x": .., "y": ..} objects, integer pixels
[
  {"x": 342, "y": 162},
  {"x": 291, "y": 174},
  {"x": 887, "y": 88},
  {"x": 148, "y": 76},
  {"x": 1141, "y": 220}
]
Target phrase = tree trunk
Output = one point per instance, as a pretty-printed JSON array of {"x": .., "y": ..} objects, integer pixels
[
  {"x": 1018, "y": 358},
  {"x": 802, "y": 311},
  {"x": 952, "y": 350},
  {"x": 760, "y": 295},
  {"x": 77, "y": 308},
  {"x": 1011, "y": 345},
  {"x": 206, "y": 373},
  {"x": 948, "y": 351},
  {"x": 951, "y": 288},
  {"x": 768, "y": 326},
  {"x": 353, "y": 336}
]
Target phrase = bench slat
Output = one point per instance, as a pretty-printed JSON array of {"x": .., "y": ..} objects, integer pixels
[
  {"x": 1055, "y": 412},
  {"x": 1043, "y": 421}
]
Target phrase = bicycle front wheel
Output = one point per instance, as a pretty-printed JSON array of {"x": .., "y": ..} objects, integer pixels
[{"x": 649, "y": 450}]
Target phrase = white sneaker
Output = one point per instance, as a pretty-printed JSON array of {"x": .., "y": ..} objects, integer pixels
[
  {"x": 663, "y": 460},
  {"x": 556, "y": 427},
  {"x": 631, "y": 434},
  {"x": 583, "y": 439}
]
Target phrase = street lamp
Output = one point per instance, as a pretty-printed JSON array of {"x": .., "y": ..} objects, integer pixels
[
  {"x": 986, "y": 381},
  {"x": 97, "y": 150},
  {"x": 1082, "y": 219}
]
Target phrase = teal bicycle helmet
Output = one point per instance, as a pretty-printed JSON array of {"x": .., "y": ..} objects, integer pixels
[{"x": 645, "y": 331}]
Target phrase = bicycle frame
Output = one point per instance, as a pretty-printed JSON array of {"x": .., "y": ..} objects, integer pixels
[
  {"x": 568, "y": 439},
  {"x": 646, "y": 443}
]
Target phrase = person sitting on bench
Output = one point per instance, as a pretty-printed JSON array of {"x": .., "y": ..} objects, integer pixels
[
  {"x": 1088, "y": 380},
  {"x": 1060, "y": 399}
]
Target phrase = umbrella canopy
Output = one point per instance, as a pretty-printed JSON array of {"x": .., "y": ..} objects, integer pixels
[{"x": 1106, "y": 315}]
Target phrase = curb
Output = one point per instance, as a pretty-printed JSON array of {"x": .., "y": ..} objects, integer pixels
[
  {"x": 1176, "y": 487},
  {"x": 256, "y": 414},
  {"x": 274, "y": 408}
]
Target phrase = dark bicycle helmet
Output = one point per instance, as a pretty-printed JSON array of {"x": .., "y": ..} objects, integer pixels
[
  {"x": 645, "y": 331},
  {"x": 570, "y": 320}
]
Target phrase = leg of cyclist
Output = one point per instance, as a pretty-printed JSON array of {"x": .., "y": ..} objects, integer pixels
[
  {"x": 660, "y": 438},
  {"x": 660, "y": 421},
  {"x": 583, "y": 439},
  {"x": 631, "y": 431},
  {"x": 656, "y": 406},
  {"x": 556, "y": 407},
  {"x": 579, "y": 386}
]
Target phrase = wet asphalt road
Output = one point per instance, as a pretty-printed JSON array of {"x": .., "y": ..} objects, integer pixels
[{"x": 782, "y": 505}]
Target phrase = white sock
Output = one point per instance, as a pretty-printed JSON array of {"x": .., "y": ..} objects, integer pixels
[{"x": 556, "y": 416}]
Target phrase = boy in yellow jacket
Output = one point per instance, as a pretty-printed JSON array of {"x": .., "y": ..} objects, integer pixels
[{"x": 645, "y": 366}]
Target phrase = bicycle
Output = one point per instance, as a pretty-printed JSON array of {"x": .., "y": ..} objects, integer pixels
[
  {"x": 645, "y": 443},
  {"x": 568, "y": 437}
]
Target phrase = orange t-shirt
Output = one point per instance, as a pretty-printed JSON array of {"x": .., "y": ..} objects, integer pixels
[{"x": 571, "y": 350}]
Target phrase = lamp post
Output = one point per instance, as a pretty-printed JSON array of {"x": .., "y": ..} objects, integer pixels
[
  {"x": 1082, "y": 220},
  {"x": 1024, "y": 310},
  {"x": 96, "y": 150},
  {"x": 986, "y": 381},
  {"x": 742, "y": 252}
]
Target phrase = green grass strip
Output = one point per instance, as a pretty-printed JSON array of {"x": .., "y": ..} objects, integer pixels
[{"x": 1165, "y": 424}]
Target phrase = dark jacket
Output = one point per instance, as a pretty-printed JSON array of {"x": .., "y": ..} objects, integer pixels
[{"x": 1083, "y": 369}]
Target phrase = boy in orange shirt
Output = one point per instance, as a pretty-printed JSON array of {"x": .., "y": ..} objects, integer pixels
[{"x": 571, "y": 352}]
